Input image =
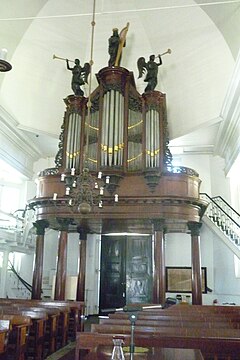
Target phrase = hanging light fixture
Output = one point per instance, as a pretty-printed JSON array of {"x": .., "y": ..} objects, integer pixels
[
  {"x": 4, "y": 65},
  {"x": 84, "y": 190}
]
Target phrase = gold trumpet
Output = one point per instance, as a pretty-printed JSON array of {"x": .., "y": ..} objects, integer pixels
[
  {"x": 169, "y": 51},
  {"x": 60, "y": 58}
]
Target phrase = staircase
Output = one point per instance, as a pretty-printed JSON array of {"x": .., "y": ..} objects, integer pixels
[{"x": 223, "y": 220}]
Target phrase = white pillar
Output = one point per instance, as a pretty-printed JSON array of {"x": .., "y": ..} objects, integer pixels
[{"x": 4, "y": 274}]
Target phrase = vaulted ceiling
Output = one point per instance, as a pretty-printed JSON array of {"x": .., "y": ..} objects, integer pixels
[{"x": 204, "y": 37}]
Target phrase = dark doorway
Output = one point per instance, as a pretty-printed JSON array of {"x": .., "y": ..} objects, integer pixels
[{"x": 126, "y": 271}]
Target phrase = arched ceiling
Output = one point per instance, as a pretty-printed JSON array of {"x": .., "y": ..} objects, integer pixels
[{"x": 204, "y": 37}]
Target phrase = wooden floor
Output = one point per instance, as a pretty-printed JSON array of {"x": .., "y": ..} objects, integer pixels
[{"x": 66, "y": 353}]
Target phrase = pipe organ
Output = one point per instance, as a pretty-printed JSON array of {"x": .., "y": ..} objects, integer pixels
[
  {"x": 126, "y": 131},
  {"x": 123, "y": 135}
]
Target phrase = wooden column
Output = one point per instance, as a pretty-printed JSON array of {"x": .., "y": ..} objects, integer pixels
[
  {"x": 194, "y": 227},
  {"x": 82, "y": 264},
  {"x": 159, "y": 272},
  {"x": 40, "y": 226},
  {"x": 61, "y": 275}
]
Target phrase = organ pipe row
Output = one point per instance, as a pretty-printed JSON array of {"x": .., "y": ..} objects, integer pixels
[
  {"x": 112, "y": 129},
  {"x": 73, "y": 141}
]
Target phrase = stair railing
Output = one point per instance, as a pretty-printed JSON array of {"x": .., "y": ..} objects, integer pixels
[{"x": 224, "y": 217}]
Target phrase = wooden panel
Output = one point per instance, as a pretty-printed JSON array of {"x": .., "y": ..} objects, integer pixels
[
  {"x": 139, "y": 270},
  {"x": 126, "y": 271},
  {"x": 112, "y": 279}
]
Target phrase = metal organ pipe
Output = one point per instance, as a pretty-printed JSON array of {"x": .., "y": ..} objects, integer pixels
[
  {"x": 116, "y": 129},
  {"x": 157, "y": 139},
  {"x": 148, "y": 150},
  {"x": 73, "y": 141},
  {"x": 112, "y": 129},
  {"x": 111, "y": 121},
  {"x": 152, "y": 139},
  {"x": 121, "y": 129},
  {"x": 68, "y": 150},
  {"x": 105, "y": 130}
]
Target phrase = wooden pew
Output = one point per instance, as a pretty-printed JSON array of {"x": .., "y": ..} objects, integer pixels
[
  {"x": 52, "y": 326},
  {"x": 176, "y": 322},
  {"x": 76, "y": 315},
  {"x": 233, "y": 322},
  {"x": 18, "y": 335},
  {"x": 45, "y": 339},
  {"x": 216, "y": 335},
  {"x": 36, "y": 338},
  {"x": 50, "y": 308},
  {"x": 205, "y": 308},
  {"x": 211, "y": 346},
  {"x": 4, "y": 331}
]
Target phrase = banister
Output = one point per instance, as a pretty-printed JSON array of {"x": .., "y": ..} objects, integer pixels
[
  {"x": 227, "y": 204},
  {"x": 219, "y": 207}
]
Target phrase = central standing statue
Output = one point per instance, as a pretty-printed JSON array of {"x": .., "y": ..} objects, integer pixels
[{"x": 115, "y": 45}]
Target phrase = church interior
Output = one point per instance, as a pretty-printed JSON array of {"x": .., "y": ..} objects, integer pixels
[{"x": 119, "y": 181}]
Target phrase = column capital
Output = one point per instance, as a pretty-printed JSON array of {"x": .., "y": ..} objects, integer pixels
[
  {"x": 82, "y": 232},
  {"x": 40, "y": 226},
  {"x": 194, "y": 227},
  {"x": 159, "y": 225},
  {"x": 64, "y": 223}
]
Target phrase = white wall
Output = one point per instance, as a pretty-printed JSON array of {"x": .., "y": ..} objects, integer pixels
[
  {"x": 201, "y": 164},
  {"x": 93, "y": 273},
  {"x": 220, "y": 184},
  {"x": 42, "y": 164},
  {"x": 211, "y": 172},
  {"x": 50, "y": 258},
  {"x": 178, "y": 253},
  {"x": 227, "y": 286},
  {"x": 14, "y": 288}
]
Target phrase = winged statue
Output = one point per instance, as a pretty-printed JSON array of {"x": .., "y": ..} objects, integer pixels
[
  {"x": 150, "y": 68},
  {"x": 79, "y": 76}
]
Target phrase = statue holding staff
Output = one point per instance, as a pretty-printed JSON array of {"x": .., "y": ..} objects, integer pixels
[
  {"x": 115, "y": 45},
  {"x": 151, "y": 69}
]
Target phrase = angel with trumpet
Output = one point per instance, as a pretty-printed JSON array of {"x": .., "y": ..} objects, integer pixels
[
  {"x": 79, "y": 74},
  {"x": 151, "y": 70}
]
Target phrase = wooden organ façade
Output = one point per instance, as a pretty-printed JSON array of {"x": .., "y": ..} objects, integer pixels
[{"x": 123, "y": 136}]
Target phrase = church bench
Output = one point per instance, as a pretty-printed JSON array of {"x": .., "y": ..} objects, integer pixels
[
  {"x": 58, "y": 317},
  {"x": 183, "y": 316},
  {"x": 36, "y": 338},
  {"x": 52, "y": 326},
  {"x": 203, "y": 308},
  {"x": 4, "y": 331},
  {"x": 213, "y": 347},
  {"x": 215, "y": 342},
  {"x": 73, "y": 322},
  {"x": 76, "y": 317},
  {"x": 184, "y": 331},
  {"x": 18, "y": 335},
  {"x": 50, "y": 332},
  {"x": 219, "y": 323},
  {"x": 76, "y": 314}
]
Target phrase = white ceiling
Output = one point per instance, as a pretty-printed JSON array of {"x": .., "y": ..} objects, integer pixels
[{"x": 204, "y": 37}]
